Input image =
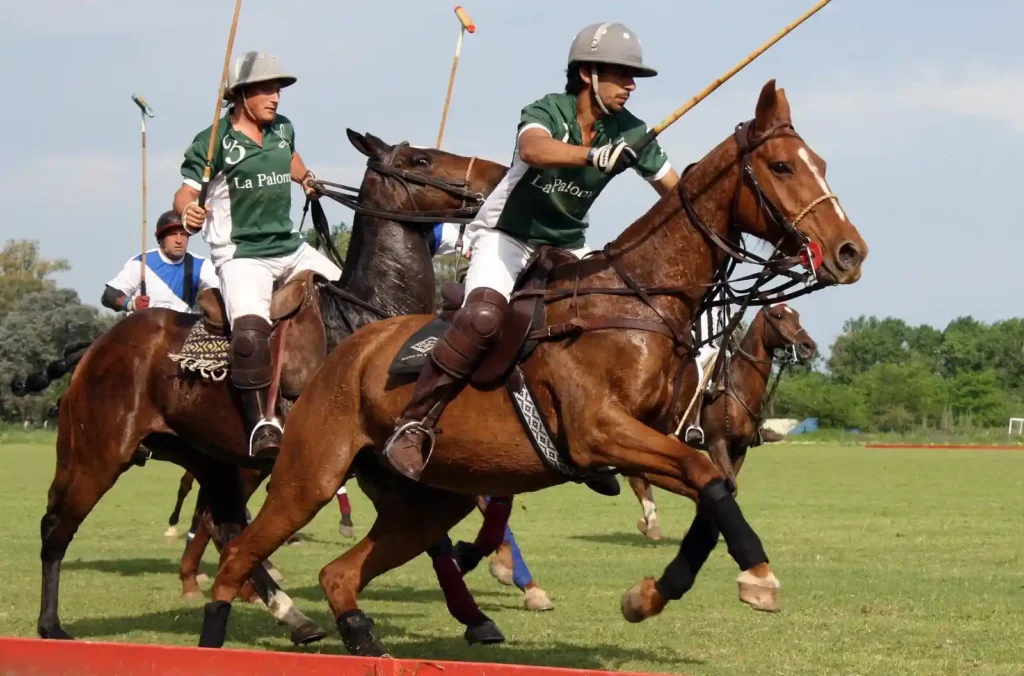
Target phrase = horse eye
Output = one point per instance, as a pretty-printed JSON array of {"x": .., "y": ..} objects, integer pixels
[
  {"x": 420, "y": 162},
  {"x": 781, "y": 168}
]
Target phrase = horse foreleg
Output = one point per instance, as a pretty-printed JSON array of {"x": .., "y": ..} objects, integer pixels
[
  {"x": 184, "y": 487},
  {"x": 195, "y": 544},
  {"x": 227, "y": 506},
  {"x": 672, "y": 465},
  {"x": 407, "y": 524}
]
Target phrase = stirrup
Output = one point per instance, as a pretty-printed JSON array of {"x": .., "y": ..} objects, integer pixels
[
  {"x": 273, "y": 422},
  {"x": 411, "y": 426},
  {"x": 696, "y": 430}
]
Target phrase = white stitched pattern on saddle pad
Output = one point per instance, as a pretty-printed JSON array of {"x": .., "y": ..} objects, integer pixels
[{"x": 425, "y": 345}]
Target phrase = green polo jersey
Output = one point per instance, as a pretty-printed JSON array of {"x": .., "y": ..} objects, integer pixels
[
  {"x": 250, "y": 194},
  {"x": 549, "y": 206}
]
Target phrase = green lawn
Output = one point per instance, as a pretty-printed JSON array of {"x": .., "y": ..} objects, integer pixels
[{"x": 891, "y": 562}]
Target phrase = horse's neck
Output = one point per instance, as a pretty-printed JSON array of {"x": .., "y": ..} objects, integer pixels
[
  {"x": 752, "y": 374},
  {"x": 664, "y": 249},
  {"x": 387, "y": 266}
]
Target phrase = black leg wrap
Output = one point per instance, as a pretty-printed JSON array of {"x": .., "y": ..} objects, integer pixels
[
  {"x": 467, "y": 556},
  {"x": 440, "y": 548},
  {"x": 356, "y": 631},
  {"x": 694, "y": 550},
  {"x": 484, "y": 633},
  {"x": 744, "y": 545},
  {"x": 215, "y": 624}
]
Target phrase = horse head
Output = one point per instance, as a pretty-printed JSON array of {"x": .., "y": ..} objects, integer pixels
[
  {"x": 783, "y": 196},
  {"x": 784, "y": 333},
  {"x": 423, "y": 183}
]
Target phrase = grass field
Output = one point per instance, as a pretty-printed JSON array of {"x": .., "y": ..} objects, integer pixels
[{"x": 892, "y": 562}]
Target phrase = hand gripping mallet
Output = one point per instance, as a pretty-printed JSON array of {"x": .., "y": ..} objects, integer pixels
[
  {"x": 466, "y": 24},
  {"x": 146, "y": 111}
]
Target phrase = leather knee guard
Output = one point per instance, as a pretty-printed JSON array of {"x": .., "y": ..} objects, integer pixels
[
  {"x": 251, "y": 367},
  {"x": 474, "y": 330}
]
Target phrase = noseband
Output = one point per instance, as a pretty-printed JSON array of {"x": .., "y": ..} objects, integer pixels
[{"x": 349, "y": 196}]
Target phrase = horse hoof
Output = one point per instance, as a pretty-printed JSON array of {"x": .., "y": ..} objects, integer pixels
[
  {"x": 537, "y": 600},
  {"x": 653, "y": 532},
  {"x": 308, "y": 633},
  {"x": 485, "y": 633},
  {"x": 171, "y": 533},
  {"x": 192, "y": 596},
  {"x": 56, "y": 632},
  {"x": 642, "y": 601},
  {"x": 356, "y": 631},
  {"x": 760, "y": 593},
  {"x": 501, "y": 572},
  {"x": 202, "y": 578},
  {"x": 346, "y": 530}
]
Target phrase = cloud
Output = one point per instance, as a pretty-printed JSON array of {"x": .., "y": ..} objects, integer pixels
[{"x": 975, "y": 91}]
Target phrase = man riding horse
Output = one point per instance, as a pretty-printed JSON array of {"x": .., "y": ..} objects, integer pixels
[
  {"x": 248, "y": 226},
  {"x": 569, "y": 145},
  {"x": 175, "y": 277}
]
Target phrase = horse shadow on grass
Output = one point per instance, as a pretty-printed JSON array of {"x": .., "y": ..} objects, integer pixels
[
  {"x": 401, "y": 594},
  {"x": 134, "y": 567},
  {"x": 626, "y": 539}
]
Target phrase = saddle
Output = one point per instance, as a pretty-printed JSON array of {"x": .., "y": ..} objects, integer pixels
[
  {"x": 284, "y": 303},
  {"x": 298, "y": 338}
]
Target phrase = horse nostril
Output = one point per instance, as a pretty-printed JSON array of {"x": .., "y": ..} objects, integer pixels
[{"x": 848, "y": 256}]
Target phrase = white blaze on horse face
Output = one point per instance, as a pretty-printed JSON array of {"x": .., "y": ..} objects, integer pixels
[{"x": 805, "y": 156}]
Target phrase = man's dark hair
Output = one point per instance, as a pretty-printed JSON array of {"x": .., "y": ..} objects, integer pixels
[{"x": 574, "y": 83}]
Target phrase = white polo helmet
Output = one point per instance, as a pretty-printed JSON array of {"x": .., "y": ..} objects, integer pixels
[{"x": 253, "y": 67}]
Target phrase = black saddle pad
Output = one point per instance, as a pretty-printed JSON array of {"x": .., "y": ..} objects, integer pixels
[{"x": 413, "y": 354}]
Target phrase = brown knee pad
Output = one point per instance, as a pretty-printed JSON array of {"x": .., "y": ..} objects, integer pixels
[
  {"x": 251, "y": 366},
  {"x": 475, "y": 328}
]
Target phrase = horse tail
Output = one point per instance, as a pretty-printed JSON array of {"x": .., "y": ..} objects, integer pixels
[{"x": 37, "y": 382}]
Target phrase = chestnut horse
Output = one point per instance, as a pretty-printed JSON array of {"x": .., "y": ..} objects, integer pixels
[
  {"x": 608, "y": 394},
  {"x": 731, "y": 413},
  {"x": 126, "y": 394}
]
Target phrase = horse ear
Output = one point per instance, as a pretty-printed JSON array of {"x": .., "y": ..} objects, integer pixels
[
  {"x": 767, "y": 102},
  {"x": 359, "y": 141},
  {"x": 782, "y": 112}
]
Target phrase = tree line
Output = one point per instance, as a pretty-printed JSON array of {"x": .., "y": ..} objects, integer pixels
[{"x": 881, "y": 374}]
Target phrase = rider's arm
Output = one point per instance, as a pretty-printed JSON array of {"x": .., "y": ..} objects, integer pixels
[
  {"x": 538, "y": 149},
  {"x": 114, "y": 299},
  {"x": 186, "y": 195},
  {"x": 666, "y": 183}
]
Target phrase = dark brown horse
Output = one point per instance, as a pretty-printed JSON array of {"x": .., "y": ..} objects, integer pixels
[
  {"x": 126, "y": 394},
  {"x": 609, "y": 384},
  {"x": 731, "y": 414}
]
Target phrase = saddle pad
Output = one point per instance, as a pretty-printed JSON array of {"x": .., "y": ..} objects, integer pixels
[
  {"x": 413, "y": 354},
  {"x": 204, "y": 353}
]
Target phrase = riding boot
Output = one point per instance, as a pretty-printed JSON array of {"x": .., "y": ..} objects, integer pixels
[
  {"x": 474, "y": 330},
  {"x": 604, "y": 484},
  {"x": 251, "y": 373},
  {"x": 262, "y": 431}
]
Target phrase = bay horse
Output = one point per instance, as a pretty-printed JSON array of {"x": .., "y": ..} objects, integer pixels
[
  {"x": 609, "y": 382},
  {"x": 731, "y": 413},
  {"x": 128, "y": 401}
]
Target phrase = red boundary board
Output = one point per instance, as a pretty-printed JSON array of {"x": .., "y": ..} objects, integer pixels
[
  {"x": 36, "y": 657},
  {"x": 950, "y": 447}
]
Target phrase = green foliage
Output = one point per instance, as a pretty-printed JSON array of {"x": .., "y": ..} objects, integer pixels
[{"x": 22, "y": 271}]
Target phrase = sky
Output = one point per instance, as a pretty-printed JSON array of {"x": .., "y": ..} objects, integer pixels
[{"x": 917, "y": 107}]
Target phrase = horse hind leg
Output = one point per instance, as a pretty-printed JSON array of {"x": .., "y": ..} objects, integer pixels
[
  {"x": 72, "y": 496},
  {"x": 184, "y": 487},
  {"x": 648, "y": 525}
]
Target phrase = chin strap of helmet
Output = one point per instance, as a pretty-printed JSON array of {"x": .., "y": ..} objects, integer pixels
[{"x": 595, "y": 86}]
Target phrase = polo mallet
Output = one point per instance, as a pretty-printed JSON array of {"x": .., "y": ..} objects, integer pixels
[
  {"x": 682, "y": 110},
  {"x": 146, "y": 111},
  {"x": 465, "y": 24},
  {"x": 205, "y": 189}
]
